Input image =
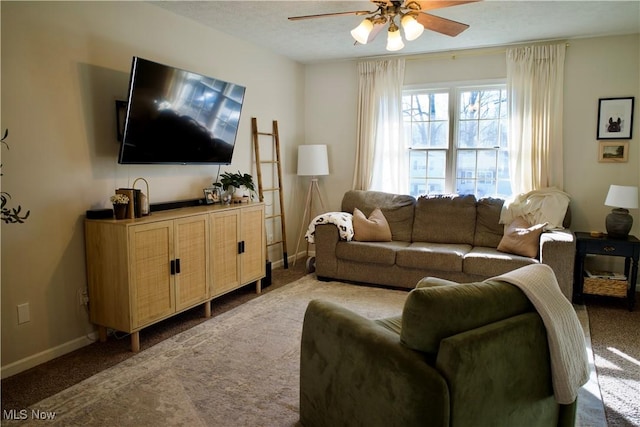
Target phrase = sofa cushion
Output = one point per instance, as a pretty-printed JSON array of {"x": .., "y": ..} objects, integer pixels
[
  {"x": 489, "y": 231},
  {"x": 434, "y": 313},
  {"x": 445, "y": 219},
  {"x": 432, "y": 256},
  {"x": 397, "y": 209},
  {"x": 489, "y": 262},
  {"x": 521, "y": 238},
  {"x": 394, "y": 324},
  {"x": 372, "y": 229},
  {"x": 369, "y": 252}
]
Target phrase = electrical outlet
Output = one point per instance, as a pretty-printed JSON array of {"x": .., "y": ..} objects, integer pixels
[
  {"x": 83, "y": 297},
  {"x": 269, "y": 238}
]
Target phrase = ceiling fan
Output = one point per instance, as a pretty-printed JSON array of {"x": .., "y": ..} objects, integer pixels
[{"x": 413, "y": 18}]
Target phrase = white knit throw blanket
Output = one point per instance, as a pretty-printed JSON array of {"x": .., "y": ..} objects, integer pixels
[{"x": 569, "y": 363}]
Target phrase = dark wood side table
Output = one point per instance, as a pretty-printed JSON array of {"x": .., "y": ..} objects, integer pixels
[{"x": 628, "y": 248}]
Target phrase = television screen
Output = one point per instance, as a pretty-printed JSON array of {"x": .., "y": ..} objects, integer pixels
[{"x": 179, "y": 117}]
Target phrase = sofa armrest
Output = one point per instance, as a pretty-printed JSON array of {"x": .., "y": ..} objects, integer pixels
[
  {"x": 326, "y": 239},
  {"x": 500, "y": 375},
  {"x": 353, "y": 371},
  {"x": 558, "y": 251}
]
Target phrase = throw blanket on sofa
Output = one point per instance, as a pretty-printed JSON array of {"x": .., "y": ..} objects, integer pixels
[
  {"x": 569, "y": 363},
  {"x": 537, "y": 207},
  {"x": 342, "y": 220}
]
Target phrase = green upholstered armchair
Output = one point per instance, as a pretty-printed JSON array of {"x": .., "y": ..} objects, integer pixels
[{"x": 465, "y": 355}]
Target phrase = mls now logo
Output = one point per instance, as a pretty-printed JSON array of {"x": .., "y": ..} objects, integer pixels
[
  {"x": 23, "y": 414},
  {"x": 14, "y": 414}
]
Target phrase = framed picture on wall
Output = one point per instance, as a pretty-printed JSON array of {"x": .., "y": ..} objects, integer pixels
[
  {"x": 615, "y": 118},
  {"x": 613, "y": 152}
]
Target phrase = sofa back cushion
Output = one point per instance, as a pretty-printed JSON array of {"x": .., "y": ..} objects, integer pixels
[
  {"x": 396, "y": 208},
  {"x": 431, "y": 314},
  {"x": 489, "y": 231},
  {"x": 445, "y": 219}
]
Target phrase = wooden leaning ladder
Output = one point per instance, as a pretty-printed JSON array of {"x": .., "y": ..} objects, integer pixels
[{"x": 277, "y": 183}]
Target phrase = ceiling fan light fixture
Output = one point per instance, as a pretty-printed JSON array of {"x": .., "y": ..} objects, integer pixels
[
  {"x": 394, "y": 39},
  {"x": 412, "y": 28},
  {"x": 362, "y": 31}
]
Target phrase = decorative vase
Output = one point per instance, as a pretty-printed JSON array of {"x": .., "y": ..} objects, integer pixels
[
  {"x": 240, "y": 193},
  {"x": 120, "y": 211},
  {"x": 226, "y": 197}
]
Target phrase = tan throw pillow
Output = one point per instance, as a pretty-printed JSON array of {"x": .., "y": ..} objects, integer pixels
[
  {"x": 372, "y": 229},
  {"x": 521, "y": 238}
]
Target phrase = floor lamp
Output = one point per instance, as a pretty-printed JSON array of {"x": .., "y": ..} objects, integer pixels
[{"x": 313, "y": 162}]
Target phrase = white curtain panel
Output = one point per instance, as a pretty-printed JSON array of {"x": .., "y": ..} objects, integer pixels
[
  {"x": 535, "y": 76},
  {"x": 381, "y": 158}
]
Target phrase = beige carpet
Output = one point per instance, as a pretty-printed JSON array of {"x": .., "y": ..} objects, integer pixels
[
  {"x": 237, "y": 369},
  {"x": 616, "y": 347}
]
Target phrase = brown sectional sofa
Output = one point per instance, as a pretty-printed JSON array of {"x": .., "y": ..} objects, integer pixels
[{"x": 453, "y": 238}]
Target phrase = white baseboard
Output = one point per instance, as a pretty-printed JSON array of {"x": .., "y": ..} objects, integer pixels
[
  {"x": 47, "y": 355},
  {"x": 302, "y": 256}
]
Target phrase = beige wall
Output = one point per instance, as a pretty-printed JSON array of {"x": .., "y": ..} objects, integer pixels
[
  {"x": 594, "y": 68},
  {"x": 63, "y": 65},
  {"x": 598, "y": 68}
]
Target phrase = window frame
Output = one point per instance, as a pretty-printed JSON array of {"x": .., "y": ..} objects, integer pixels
[{"x": 454, "y": 89}]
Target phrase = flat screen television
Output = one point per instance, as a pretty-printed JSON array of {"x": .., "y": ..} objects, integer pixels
[{"x": 175, "y": 116}]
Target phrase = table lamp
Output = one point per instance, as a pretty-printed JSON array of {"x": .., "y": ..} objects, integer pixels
[{"x": 621, "y": 198}]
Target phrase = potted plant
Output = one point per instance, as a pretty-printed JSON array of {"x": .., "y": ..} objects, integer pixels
[
  {"x": 10, "y": 215},
  {"x": 238, "y": 184},
  {"x": 120, "y": 204}
]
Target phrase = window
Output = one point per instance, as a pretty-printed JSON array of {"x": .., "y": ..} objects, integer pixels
[{"x": 457, "y": 140}]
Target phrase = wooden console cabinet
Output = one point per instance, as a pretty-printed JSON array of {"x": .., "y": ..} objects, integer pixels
[{"x": 144, "y": 270}]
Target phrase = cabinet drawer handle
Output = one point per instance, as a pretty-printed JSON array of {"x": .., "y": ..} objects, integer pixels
[
  {"x": 609, "y": 248},
  {"x": 178, "y": 266},
  {"x": 173, "y": 267},
  {"x": 241, "y": 247}
]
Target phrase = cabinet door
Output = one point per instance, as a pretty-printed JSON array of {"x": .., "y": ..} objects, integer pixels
[
  {"x": 192, "y": 260},
  {"x": 152, "y": 286},
  {"x": 252, "y": 234},
  {"x": 225, "y": 268}
]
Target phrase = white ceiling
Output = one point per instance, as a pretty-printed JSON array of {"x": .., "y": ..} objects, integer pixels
[{"x": 492, "y": 23}]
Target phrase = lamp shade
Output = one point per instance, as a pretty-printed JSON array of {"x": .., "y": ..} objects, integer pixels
[
  {"x": 412, "y": 28},
  {"x": 394, "y": 39},
  {"x": 362, "y": 31},
  {"x": 621, "y": 196},
  {"x": 312, "y": 160}
]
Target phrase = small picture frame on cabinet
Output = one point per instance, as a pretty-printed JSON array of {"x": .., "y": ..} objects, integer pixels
[
  {"x": 613, "y": 152},
  {"x": 211, "y": 195}
]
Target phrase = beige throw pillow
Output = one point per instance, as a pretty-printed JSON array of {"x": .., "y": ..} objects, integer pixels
[
  {"x": 372, "y": 229},
  {"x": 521, "y": 238}
]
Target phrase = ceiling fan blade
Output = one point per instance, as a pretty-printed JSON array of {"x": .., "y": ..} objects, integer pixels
[
  {"x": 375, "y": 31},
  {"x": 324, "y": 15},
  {"x": 441, "y": 25},
  {"x": 441, "y": 4}
]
